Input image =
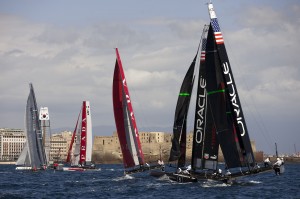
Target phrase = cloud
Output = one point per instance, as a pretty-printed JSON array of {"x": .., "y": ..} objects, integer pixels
[{"x": 72, "y": 63}]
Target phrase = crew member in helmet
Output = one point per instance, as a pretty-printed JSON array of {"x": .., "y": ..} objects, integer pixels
[{"x": 276, "y": 166}]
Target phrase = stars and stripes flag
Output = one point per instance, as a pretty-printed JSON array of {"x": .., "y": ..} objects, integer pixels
[
  {"x": 202, "y": 57},
  {"x": 217, "y": 31}
]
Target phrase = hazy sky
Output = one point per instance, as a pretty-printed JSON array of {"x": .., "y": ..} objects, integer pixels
[{"x": 66, "y": 49}]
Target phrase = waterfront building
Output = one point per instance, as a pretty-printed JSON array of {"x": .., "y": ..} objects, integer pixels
[
  {"x": 11, "y": 143},
  {"x": 59, "y": 146}
]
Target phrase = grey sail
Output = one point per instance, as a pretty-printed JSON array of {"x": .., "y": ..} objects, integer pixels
[{"x": 33, "y": 133}]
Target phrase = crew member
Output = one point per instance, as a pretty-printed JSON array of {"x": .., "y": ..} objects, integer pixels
[
  {"x": 267, "y": 162},
  {"x": 276, "y": 166}
]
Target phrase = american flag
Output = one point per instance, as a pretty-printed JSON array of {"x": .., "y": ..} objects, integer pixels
[
  {"x": 217, "y": 31},
  {"x": 202, "y": 57}
]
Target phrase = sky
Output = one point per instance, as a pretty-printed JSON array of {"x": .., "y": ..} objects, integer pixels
[{"x": 66, "y": 48}]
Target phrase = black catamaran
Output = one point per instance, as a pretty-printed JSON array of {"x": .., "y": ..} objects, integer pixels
[{"x": 219, "y": 119}]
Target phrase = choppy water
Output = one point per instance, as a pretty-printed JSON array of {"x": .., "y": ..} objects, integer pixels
[{"x": 110, "y": 182}]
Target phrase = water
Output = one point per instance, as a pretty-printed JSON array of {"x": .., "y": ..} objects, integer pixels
[{"x": 110, "y": 182}]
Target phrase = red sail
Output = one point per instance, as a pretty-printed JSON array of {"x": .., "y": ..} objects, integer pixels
[
  {"x": 83, "y": 135},
  {"x": 72, "y": 141},
  {"x": 125, "y": 120}
]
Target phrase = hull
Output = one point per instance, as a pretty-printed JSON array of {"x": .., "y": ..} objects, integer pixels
[
  {"x": 82, "y": 168},
  {"x": 73, "y": 169},
  {"x": 56, "y": 166},
  {"x": 229, "y": 178},
  {"x": 177, "y": 177},
  {"x": 23, "y": 168},
  {"x": 157, "y": 173},
  {"x": 181, "y": 178},
  {"x": 143, "y": 168}
]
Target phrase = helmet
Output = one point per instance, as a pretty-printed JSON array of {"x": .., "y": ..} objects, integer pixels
[{"x": 278, "y": 159}]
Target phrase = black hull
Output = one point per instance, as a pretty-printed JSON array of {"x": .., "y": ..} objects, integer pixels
[
  {"x": 143, "y": 169},
  {"x": 197, "y": 176},
  {"x": 230, "y": 178},
  {"x": 181, "y": 178},
  {"x": 157, "y": 173}
]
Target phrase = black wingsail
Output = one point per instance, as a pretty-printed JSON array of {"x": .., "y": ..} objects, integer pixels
[
  {"x": 218, "y": 104},
  {"x": 231, "y": 92},
  {"x": 178, "y": 150},
  {"x": 205, "y": 143}
]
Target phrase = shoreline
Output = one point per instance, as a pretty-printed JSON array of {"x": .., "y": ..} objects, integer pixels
[
  {"x": 273, "y": 159},
  {"x": 7, "y": 162}
]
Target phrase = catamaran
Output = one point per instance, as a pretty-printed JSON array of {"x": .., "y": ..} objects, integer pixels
[
  {"x": 33, "y": 155},
  {"x": 133, "y": 156},
  {"x": 80, "y": 154},
  {"x": 219, "y": 119}
]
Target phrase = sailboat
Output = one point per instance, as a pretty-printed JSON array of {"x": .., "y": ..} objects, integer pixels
[
  {"x": 219, "y": 119},
  {"x": 33, "y": 156},
  {"x": 133, "y": 156},
  {"x": 80, "y": 155}
]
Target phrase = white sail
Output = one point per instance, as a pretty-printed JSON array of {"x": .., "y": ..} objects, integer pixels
[
  {"x": 23, "y": 159},
  {"x": 89, "y": 133}
]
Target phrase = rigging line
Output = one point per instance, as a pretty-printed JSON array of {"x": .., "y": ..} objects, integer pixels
[
  {"x": 261, "y": 126},
  {"x": 143, "y": 117},
  {"x": 215, "y": 126}
]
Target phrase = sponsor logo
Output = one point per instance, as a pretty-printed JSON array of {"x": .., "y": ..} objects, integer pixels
[
  {"x": 201, "y": 102},
  {"x": 206, "y": 156},
  {"x": 233, "y": 96},
  {"x": 124, "y": 82}
]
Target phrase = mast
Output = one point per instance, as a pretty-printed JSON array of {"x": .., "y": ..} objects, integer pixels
[
  {"x": 236, "y": 108},
  {"x": 125, "y": 119},
  {"x": 178, "y": 150},
  {"x": 68, "y": 160},
  {"x": 205, "y": 143}
]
